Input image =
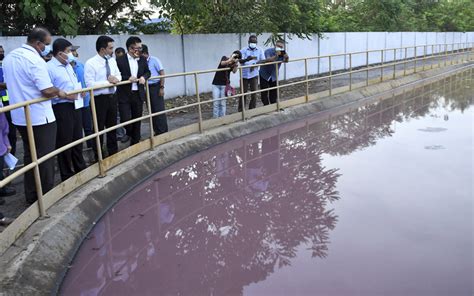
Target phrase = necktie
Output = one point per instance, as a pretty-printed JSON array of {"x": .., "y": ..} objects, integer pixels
[{"x": 107, "y": 73}]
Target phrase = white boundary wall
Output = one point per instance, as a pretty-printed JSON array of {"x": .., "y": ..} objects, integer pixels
[{"x": 203, "y": 51}]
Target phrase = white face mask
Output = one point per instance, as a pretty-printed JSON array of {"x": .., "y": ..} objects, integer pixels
[
  {"x": 253, "y": 45},
  {"x": 279, "y": 49},
  {"x": 70, "y": 57}
]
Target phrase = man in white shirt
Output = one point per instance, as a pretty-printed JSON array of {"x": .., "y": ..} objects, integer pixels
[
  {"x": 27, "y": 78},
  {"x": 134, "y": 67},
  {"x": 102, "y": 70}
]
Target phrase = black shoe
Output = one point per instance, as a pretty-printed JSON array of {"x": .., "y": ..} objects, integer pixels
[
  {"x": 2, "y": 201},
  {"x": 7, "y": 191},
  {"x": 125, "y": 139}
]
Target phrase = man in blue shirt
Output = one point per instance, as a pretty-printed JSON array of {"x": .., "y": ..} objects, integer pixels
[
  {"x": 157, "y": 91},
  {"x": 4, "y": 97},
  {"x": 268, "y": 76},
  {"x": 251, "y": 55},
  {"x": 68, "y": 116},
  {"x": 86, "y": 110}
]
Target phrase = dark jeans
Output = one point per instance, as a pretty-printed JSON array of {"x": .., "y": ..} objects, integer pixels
[
  {"x": 69, "y": 120},
  {"x": 11, "y": 129},
  {"x": 106, "y": 107},
  {"x": 160, "y": 123},
  {"x": 45, "y": 142},
  {"x": 87, "y": 124},
  {"x": 269, "y": 96},
  {"x": 131, "y": 108},
  {"x": 253, "y": 85}
]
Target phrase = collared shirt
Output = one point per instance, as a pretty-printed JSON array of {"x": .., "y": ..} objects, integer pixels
[
  {"x": 249, "y": 73},
  {"x": 79, "y": 70},
  {"x": 155, "y": 66},
  {"x": 268, "y": 72},
  {"x": 26, "y": 75},
  {"x": 95, "y": 74},
  {"x": 62, "y": 77},
  {"x": 133, "y": 63}
]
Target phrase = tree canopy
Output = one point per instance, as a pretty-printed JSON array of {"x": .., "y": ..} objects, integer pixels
[{"x": 299, "y": 17}]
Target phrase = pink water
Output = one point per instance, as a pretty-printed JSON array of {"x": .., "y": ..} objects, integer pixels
[{"x": 376, "y": 200}]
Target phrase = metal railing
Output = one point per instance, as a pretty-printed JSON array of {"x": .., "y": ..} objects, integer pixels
[{"x": 438, "y": 56}]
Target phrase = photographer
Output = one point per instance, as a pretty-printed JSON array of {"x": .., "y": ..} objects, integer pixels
[
  {"x": 268, "y": 77},
  {"x": 221, "y": 80}
]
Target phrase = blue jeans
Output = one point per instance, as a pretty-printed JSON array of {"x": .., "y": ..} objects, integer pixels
[{"x": 218, "y": 91}]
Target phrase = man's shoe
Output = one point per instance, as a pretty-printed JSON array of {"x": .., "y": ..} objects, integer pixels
[
  {"x": 125, "y": 139},
  {"x": 5, "y": 221},
  {"x": 7, "y": 191},
  {"x": 2, "y": 201}
]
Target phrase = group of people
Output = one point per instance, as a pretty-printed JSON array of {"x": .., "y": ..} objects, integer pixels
[
  {"x": 251, "y": 56},
  {"x": 47, "y": 69}
]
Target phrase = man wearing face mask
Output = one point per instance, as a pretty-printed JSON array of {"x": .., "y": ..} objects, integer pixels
[
  {"x": 4, "y": 98},
  {"x": 134, "y": 67},
  {"x": 27, "y": 78},
  {"x": 98, "y": 71},
  {"x": 268, "y": 77},
  {"x": 68, "y": 117}
]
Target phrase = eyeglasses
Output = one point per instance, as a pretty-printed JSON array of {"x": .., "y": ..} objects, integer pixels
[{"x": 137, "y": 48}]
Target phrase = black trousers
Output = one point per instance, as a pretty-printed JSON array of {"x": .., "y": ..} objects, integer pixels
[
  {"x": 131, "y": 108},
  {"x": 11, "y": 129},
  {"x": 106, "y": 108},
  {"x": 69, "y": 129},
  {"x": 45, "y": 142},
  {"x": 87, "y": 124},
  {"x": 160, "y": 122},
  {"x": 251, "y": 84},
  {"x": 269, "y": 96}
]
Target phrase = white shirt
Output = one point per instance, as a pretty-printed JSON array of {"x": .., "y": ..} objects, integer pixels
[
  {"x": 95, "y": 74},
  {"x": 26, "y": 75},
  {"x": 133, "y": 63}
]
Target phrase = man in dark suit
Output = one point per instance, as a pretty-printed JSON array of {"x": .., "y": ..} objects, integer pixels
[{"x": 134, "y": 67}]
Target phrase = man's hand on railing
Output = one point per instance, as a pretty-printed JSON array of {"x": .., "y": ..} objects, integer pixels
[
  {"x": 62, "y": 94},
  {"x": 112, "y": 79},
  {"x": 141, "y": 80},
  {"x": 132, "y": 79}
]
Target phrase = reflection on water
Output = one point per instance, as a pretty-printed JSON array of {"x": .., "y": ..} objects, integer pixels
[{"x": 231, "y": 216}]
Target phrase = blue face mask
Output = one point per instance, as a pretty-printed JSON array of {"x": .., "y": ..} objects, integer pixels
[
  {"x": 46, "y": 50},
  {"x": 252, "y": 45}
]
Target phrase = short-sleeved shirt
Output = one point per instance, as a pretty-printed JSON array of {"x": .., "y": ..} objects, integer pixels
[
  {"x": 248, "y": 73},
  {"x": 221, "y": 77},
  {"x": 268, "y": 72},
  {"x": 26, "y": 75},
  {"x": 155, "y": 66},
  {"x": 79, "y": 70},
  {"x": 62, "y": 77}
]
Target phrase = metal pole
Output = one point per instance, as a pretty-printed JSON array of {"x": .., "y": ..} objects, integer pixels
[
  {"x": 278, "y": 86},
  {"x": 350, "y": 71},
  {"x": 381, "y": 65},
  {"x": 306, "y": 78},
  {"x": 34, "y": 158},
  {"x": 242, "y": 98},
  {"x": 199, "y": 101},
  {"x": 445, "y": 54},
  {"x": 330, "y": 75},
  {"x": 424, "y": 57},
  {"x": 416, "y": 57},
  {"x": 394, "y": 63},
  {"x": 148, "y": 102},
  {"x": 367, "y": 67},
  {"x": 97, "y": 138},
  {"x": 405, "y": 62},
  {"x": 432, "y": 54},
  {"x": 439, "y": 55}
]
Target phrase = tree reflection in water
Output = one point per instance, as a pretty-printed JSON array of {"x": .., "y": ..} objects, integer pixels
[{"x": 230, "y": 216}]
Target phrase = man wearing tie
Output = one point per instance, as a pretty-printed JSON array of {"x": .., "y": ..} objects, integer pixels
[
  {"x": 98, "y": 71},
  {"x": 134, "y": 67}
]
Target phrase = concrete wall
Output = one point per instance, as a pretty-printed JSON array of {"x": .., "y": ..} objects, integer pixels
[{"x": 203, "y": 52}]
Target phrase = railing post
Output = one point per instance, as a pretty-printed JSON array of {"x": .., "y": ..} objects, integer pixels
[
  {"x": 199, "y": 102},
  {"x": 306, "y": 78},
  {"x": 440, "y": 52},
  {"x": 445, "y": 54},
  {"x": 381, "y": 65},
  {"x": 34, "y": 159},
  {"x": 367, "y": 68},
  {"x": 432, "y": 55},
  {"x": 150, "y": 117},
  {"x": 416, "y": 57},
  {"x": 394, "y": 63},
  {"x": 405, "y": 62},
  {"x": 278, "y": 86},
  {"x": 97, "y": 136},
  {"x": 350, "y": 71},
  {"x": 424, "y": 57},
  {"x": 330, "y": 75},
  {"x": 242, "y": 98}
]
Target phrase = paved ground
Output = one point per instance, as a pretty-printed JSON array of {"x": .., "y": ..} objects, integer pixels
[{"x": 16, "y": 204}]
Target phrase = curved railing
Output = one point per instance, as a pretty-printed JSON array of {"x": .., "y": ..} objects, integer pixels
[{"x": 439, "y": 56}]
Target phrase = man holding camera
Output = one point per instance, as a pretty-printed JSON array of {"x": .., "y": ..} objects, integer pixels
[{"x": 268, "y": 75}]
